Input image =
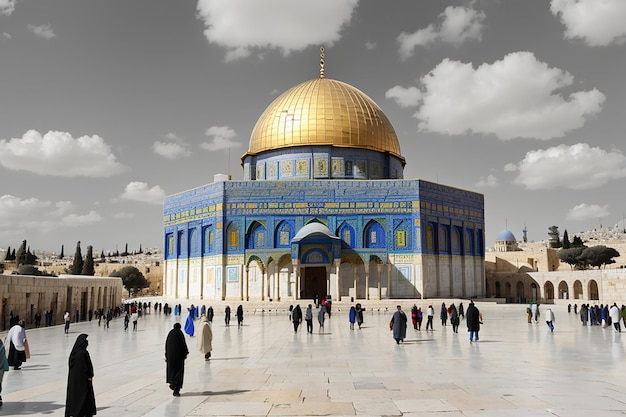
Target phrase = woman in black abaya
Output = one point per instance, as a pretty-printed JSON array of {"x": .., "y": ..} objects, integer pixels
[
  {"x": 80, "y": 400},
  {"x": 175, "y": 354}
]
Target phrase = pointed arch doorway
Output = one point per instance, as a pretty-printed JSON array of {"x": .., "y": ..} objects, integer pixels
[{"x": 314, "y": 282}]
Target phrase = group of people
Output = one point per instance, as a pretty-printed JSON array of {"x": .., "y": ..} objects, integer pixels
[
  {"x": 601, "y": 315},
  {"x": 473, "y": 318},
  {"x": 296, "y": 316}
]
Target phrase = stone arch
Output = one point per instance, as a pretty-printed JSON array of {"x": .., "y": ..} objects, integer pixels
[
  {"x": 563, "y": 290},
  {"x": 592, "y": 288},
  {"x": 548, "y": 289},
  {"x": 534, "y": 291},
  {"x": 578, "y": 290},
  {"x": 507, "y": 290},
  {"x": 259, "y": 261},
  {"x": 519, "y": 292}
]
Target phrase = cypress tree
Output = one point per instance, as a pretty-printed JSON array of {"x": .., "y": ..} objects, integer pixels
[
  {"x": 62, "y": 254},
  {"x": 77, "y": 264},
  {"x": 7, "y": 257},
  {"x": 20, "y": 256},
  {"x": 88, "y": 267}
]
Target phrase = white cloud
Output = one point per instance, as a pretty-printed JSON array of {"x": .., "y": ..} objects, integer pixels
[
  {"x": 577, "y": 167},
  {"x": 370, "y": 45},
  {"x": 516, "y": 96},
  {"x": 170, "y": 150},
  {"x": 59, "y": 154},
  {"x": 82, "y": 219},
  {"x": 490, "y": 181},
  {"x": 242, "y": 25},
  {"x": 43, "y": 31},
  {"x": 221, "y": 138},
  {"x": 597, "y": 22},
  {"x": 139, "y": 191},
  {"x": 457, "y": 25},
  {"x": 7, "y": 7},
  {"x": 405, "y": 97},
  {"x": 124, "y": 215},
  {"x": 18, "y": 215},
  {"x": 6, "y": 35},
  {"x": 586, "y": 212}
]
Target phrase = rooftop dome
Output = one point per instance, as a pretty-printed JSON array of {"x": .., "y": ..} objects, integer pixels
[
  {"x": 506, "y": 235},
  {"x": 324, "y": 112}
]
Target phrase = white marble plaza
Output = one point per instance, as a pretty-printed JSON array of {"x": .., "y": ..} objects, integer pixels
[{"x": 264, "y": 369}]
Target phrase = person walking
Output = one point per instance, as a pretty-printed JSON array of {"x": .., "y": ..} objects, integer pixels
[
  {"x": 175, "y": 354},
  {"x": 473, "y": 320},
  {"x": 359, "y": 314},
  {"x": 529, "y": 313},
  {"x": 461, "y": 311},
  {"x": 239, "y": 316},
  {"x": 352, "y": 317},
  {"x": 444, "y": 314},
  {"x": 430, "y": 313},
  {"x": 126, "y": 321},
  {"x": 134, "y": 317},
  {"x": 189, "y": 326},
  {"x": 205, "y": 337},
  {"x": 420, "y": 317},
  {"x": 17, "y": 345},
  {"x": 550, "y": 319},
  {"x": 67, "y": 318},
  {"x": 398, "y": 325},
  {"x": 320, "y": 316},
  {"x": 414, "y": 316},
  {"x": 296, "y": 317},
  {"x": 80, "y": 400},
  {"x": 308, "y": 316},
  {"x": 615, "y": 315},
  {"x": 535, "y": 311},
  {"x": 227, "y": 316},
  {"x": 454, "y": 318},
  {"x": 210, "y": 313},
  {"x": 4, "y": 366}
]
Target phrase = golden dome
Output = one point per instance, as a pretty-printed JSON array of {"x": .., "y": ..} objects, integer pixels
[{"x": 324, "y": 112}]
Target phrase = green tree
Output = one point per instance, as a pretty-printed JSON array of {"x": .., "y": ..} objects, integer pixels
[
  {"x": 77, "y": 263},
  {"x": 132, "y": 279},
  {"x": 599, "y": 256},
  {"x": 7, "y": 256},
  {"x": 28, "y": 270},
  {"x": 555, "y": 239},
  {"x": 20, "y": 255},
  {"x": 571, "y": 257},
  {"x": 88, "y": 267},
  {"x": 62, "y": 254},
  {"x": 566, "y": 242},
  {"x": 125, "y": 253},
  {"x": 577, "y": 242}
]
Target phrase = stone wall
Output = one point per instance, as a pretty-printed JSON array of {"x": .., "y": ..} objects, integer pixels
[{"x": 24, "y": 296}]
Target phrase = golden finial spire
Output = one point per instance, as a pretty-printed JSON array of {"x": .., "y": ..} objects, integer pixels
[{"x": 322, "y": 62}]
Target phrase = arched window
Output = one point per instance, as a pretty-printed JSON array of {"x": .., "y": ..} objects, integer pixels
[
  {"x": 456, "y": 240},
  {"x": 256, "y": 236},
  {"x": 169, "y": 238},
  {"x": 283, "y": 235},
  {"x": 180, "y": 245},
  {"x": 374, "y": 236},
  {"x": 469, "y": 241},
  {"x": 347, "y": 234},
  {"x": 232, "y": 236},
  {"x": 207, "y": 239},
  {"x": 194, "y": 241},
  {"x": 444, "y": 239}
]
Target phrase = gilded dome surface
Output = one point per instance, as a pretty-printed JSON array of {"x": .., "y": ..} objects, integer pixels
[{"x": 324, "y": 112}]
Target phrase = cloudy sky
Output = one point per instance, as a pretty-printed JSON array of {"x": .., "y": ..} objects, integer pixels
[{"x": 108, "y": 106}]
